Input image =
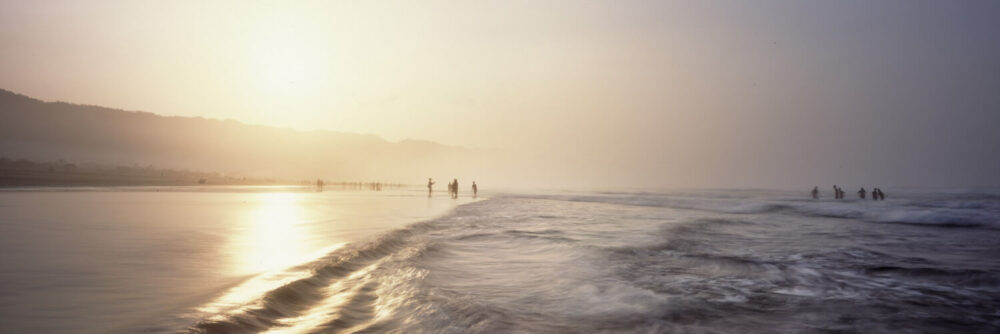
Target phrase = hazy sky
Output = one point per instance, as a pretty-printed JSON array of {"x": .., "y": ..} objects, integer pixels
[{"x": 630, "y": 93}]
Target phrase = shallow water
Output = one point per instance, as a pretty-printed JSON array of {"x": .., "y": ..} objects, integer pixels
[
  {"x": 119, "y": 259},
  {"x": 698, "y": 261}
]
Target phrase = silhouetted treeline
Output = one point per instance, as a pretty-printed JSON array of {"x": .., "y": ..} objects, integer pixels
[
  {"x": 26, "y": 173},
  {"x": 22, "y": 173},
  {"x": 371, "y": 185}
]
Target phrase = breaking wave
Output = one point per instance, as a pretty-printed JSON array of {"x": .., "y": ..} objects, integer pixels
[{"x": 645, "y": 263}]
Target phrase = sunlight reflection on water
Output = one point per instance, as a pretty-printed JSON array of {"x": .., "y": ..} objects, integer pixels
[
  {"x": 272, "y": 234},
  {"x": 277, "y": 236},
  {"x": 271, "y": 237}
]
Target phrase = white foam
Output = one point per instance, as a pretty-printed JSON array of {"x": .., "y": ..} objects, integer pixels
[{"x": 797, "y": 291}]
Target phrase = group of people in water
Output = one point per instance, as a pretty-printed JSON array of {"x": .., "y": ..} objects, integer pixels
[
  {"x": 452, "y": 188},
  {"x": 377, "y": 186},
  {"x": 373, "y": 186},
  {"x": 838, "y": 193}
]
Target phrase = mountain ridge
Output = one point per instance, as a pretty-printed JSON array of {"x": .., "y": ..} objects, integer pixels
[{"x": 39, "y": 130}]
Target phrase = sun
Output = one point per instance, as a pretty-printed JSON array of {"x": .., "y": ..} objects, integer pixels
[
  {"x": 285, "y": 63},
  {"x": 285, "y": 68}
]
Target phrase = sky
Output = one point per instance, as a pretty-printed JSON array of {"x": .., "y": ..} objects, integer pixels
[{"x": 593, "y": 93}]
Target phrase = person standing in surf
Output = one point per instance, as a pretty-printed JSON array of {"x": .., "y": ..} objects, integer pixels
[
  {"x": 861, "y": 193},
  {"x": 475, "y": 190},
  {"x": 454, "y": 188},
  {"x": 815, "y": 192},
  {"x": 430, "y": 186}
]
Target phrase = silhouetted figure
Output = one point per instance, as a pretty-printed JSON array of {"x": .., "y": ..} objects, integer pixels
[
  {"x": 475, "y": 190},
  {"x": 881, "y": 195},
  {"x": 836, "y": 192},
  {"x": 861, "y": 193},
  {"x": 455, "y": 187},
  {"x": 430, "y": 186},
  {"x": 319, "y": 184},
  {"x": 874, "y": 194},
  {"x": 815, "y": 192}
]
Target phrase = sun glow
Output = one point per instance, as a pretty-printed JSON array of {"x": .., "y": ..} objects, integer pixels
[{"x": 285, "y": 64}]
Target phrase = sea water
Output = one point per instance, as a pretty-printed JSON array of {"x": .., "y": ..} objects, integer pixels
[
  {"x": 688, "y": 261},
  {"x": 98, "y": 260}
]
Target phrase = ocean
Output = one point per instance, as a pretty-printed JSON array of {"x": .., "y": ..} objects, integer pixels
[{"x": 292, "y": 260}]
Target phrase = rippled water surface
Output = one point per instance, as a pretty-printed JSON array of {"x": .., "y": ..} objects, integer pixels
[{"x": 702, "y": 261}]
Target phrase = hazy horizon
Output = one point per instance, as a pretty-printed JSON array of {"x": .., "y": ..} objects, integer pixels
[
  {"x": 581, "y": 94},
  {"x": 635, "y": 166}
]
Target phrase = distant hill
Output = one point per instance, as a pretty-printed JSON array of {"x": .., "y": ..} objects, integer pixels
[{"x": 48, "y": 131}]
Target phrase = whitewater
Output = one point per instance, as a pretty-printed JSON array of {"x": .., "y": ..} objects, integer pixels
[{"x": 747, "y": 261}]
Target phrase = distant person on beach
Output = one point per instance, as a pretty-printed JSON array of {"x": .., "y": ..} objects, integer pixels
[
  {"x": 861, "y": 193},
  {"x": 881, "y": 195},
  {"x": 874, "y": 194},
  {"x": 430, "y": 186},
  {"x": 836, "y": 192},
  {"x": 475, "y": 190},
  {"x": 815, "y": 192},
  {"x": 454, "y": 188}
]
